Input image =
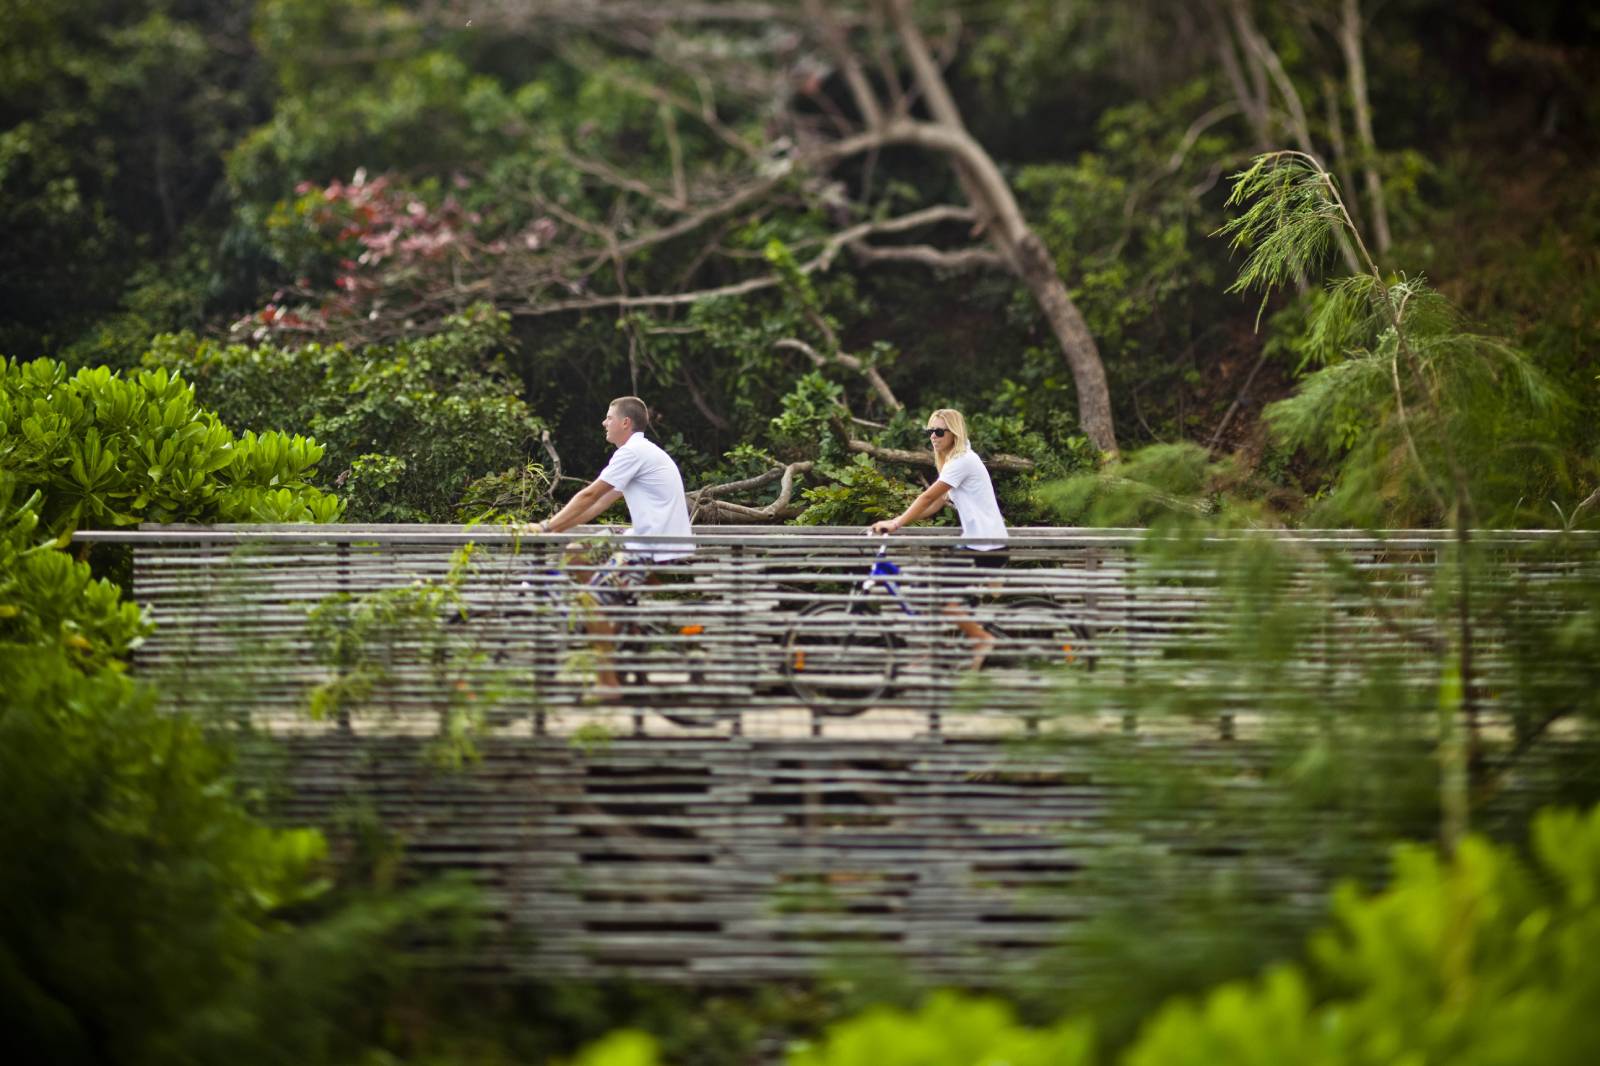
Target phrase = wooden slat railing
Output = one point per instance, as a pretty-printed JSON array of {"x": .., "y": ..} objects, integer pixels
[
  {"x": 731, "y": 817},
  {"x": 760, "y": 625}
]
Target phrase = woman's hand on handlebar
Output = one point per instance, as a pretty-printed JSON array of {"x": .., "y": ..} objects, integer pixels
[{"x": 885, "y": 527}]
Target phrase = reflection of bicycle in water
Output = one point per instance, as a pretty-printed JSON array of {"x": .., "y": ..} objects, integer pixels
[{"x": 841, "y": 656}]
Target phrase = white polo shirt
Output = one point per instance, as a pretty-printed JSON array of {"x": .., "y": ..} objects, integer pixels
[
  {"x": 973, "y": 495},
  {"x": 653, "y": 488}
]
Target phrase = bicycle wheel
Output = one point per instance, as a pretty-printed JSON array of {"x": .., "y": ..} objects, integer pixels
[
  {"x": 664, "y": 665},
  {"x": 1035, "y": 634},
  {"x": 839, "y": 659}
]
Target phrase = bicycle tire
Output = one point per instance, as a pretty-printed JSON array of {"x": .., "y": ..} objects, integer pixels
[
  {"x": 1035, "y": 633},
  {"x": 839, "y": 659},
  {"x": 676, "y": 663}
]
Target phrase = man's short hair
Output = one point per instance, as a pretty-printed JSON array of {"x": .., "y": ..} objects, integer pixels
[{"x": 633, "y": 409}]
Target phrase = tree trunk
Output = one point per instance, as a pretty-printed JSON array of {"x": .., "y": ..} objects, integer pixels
[
  {"x": 1038, "y": 272},
  {"x": 1350, "y": 42},
  {"x": 991, "y": 196}
]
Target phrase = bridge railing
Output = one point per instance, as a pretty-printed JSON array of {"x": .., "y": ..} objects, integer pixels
[{"x": 418, "y": 628}]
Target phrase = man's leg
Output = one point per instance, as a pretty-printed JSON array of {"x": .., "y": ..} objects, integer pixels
[{"x": 612, "y": 583}]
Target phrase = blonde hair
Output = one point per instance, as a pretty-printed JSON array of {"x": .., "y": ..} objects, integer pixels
[{"x": 956, "y": 425}]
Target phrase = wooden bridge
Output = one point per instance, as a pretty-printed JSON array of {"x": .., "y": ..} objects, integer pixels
[{"x": 801, "y": 760}]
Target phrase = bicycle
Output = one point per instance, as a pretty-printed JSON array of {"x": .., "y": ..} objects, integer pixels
[
  {"x": 653, "y": 655},
  {"x": 840, "y": 657}
]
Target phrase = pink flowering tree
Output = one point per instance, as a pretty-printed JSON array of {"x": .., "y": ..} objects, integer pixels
[{"x": 373, "y": 258}]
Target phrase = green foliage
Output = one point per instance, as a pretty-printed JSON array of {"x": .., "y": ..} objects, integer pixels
[
  {"x": 1291, "y": 224},
  {"x": 949, "y": 1030},
  {"x": 1428, "y": 420},
  {"x": 625, "y": 1047},
  {"x": 108, "y": 450},
  {"x": 810, "y": 413},
  {"x": 48, "y": 599},
  {"x": 514, "y": 495},
  {"x": 1163, "y": 480},
  {"x": 442, "y": 405},
  {"x": 115, "y": 117},
  {"x": 365, "y": 640},
  {"x": 145, "y": 886},
  {"x": 859, "y": 494},
  {"x": 1485, "y": 959},
  {"x": 394, "y": 102}
]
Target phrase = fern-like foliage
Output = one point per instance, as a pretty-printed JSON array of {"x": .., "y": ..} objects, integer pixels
[
  {"x": 1426, "y": 420},
  {"x": 1289, "y": 225}
]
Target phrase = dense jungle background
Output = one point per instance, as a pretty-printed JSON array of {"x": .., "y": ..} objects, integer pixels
[{"x": 1224, "y": 263}]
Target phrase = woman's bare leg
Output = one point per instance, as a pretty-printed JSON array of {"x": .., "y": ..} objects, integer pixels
[{"x": 982, "y": 639}]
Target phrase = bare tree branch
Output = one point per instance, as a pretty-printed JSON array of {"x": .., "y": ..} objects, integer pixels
[
  {"x": 1253, "y": 96},
  {"x": 597, "y": 168},
  {"x": 850, "y": 362},
  {"x": 927, "y": 255},
  {"x": 523, "y": 14},
  {"x": 704, "y": 504},
  {"x": 555, "y": 460},
  {"x": 834, "y": 40},
  {"x": 823, "y": 260},
  {"x": 711, "y": 414},
  {"x": 1588, "y": 501},
  {"x": 669, "y": 125},
  {"x": 998, "y": 461}
]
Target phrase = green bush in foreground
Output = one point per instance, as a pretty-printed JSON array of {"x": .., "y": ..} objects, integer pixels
[
  {"x": 1484, "y": 960},
  {"x": 134, "y": 885}
]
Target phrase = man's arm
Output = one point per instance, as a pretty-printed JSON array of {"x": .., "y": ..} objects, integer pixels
[
  {"x": 591, "y": 500},
  {"x": 933, "y": 497}
]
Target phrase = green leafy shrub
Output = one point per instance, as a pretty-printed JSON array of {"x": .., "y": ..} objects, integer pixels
[
  {"x": 512, "y": 495},
  {"x": 362, "y": 639},
  {"x": 949, "y": 1030},
  {"x": 1486, "y": 959},
  {"x": 860, "y": 493},
  {"x": 108, "y": 450},
  {"x": 135, "y": 883},
  {"x": 408, "y": 427},
  {"x": 47, "y": 598}
]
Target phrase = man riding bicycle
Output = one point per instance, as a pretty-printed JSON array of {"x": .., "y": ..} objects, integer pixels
[{"x": 647, "y": 479}]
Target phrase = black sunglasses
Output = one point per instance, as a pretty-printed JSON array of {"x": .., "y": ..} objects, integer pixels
[{"x": 936, "y": 432}]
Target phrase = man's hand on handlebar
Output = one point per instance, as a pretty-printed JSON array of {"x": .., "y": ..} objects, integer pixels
[{"x": 885, "y": 527}]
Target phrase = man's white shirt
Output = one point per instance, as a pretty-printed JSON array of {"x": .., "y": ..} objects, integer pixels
[
  {"x": 653, "y": 488},
  {"x": 972, "y": 493}
]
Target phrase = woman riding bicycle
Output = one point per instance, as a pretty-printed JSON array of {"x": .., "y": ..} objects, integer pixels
[{"x": 964, "y": 482}]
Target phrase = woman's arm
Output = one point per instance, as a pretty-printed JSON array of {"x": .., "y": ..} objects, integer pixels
[{"x": 933, "y": 497}]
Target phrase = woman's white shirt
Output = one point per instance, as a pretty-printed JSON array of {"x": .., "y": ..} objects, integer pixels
[
  {"x": 653, "y": 488},
  {"x": 972, "y": 493}
]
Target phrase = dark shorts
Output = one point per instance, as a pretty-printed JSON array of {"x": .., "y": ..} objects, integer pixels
[{"x": 994, "y": 559}]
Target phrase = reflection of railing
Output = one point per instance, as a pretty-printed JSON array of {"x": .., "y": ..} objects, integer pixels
[{"x": 780, "y": 622}]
